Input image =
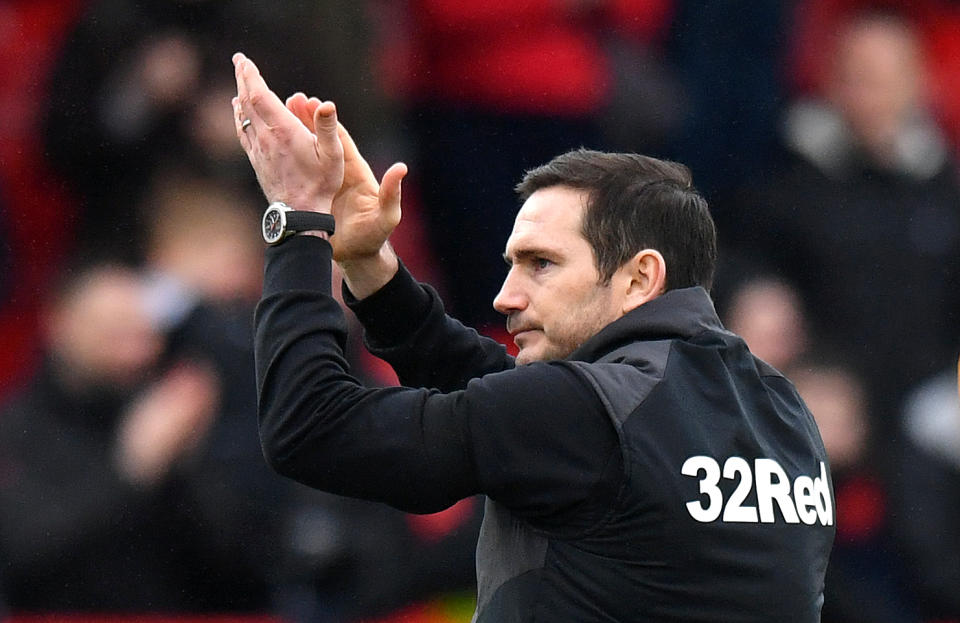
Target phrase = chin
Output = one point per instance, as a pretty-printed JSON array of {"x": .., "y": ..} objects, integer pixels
[
  {"x": 523, "y": 359},
  {"x": 541, "y": 349},
  {"x": 529, "y": 355}
]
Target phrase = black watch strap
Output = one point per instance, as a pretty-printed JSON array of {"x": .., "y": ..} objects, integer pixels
[{"x": 298, "y": 220}]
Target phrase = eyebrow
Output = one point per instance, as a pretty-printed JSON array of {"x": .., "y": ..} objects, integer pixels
[{"x": 527, "y": 254}]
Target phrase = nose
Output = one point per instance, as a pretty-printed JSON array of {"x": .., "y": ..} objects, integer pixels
[{"x": 511, "y": 297}]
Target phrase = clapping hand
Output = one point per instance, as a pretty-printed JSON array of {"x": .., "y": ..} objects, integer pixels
[
  {"x": 366, "y": 212},
  {"x": 299, "y": 165}
]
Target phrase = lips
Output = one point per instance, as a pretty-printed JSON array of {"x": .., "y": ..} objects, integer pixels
[
  {"x": 524, "y": 336},
  {"x": 515, "y": 331}
]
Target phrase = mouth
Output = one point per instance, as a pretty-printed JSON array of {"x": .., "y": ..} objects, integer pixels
[
  {"x": 522, "y": 334},
  {"x": 515, "y": 331}
]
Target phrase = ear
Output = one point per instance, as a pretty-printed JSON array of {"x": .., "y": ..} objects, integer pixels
[{"x": 645, "y": 278}]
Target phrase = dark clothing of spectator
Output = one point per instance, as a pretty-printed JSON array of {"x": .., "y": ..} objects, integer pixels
[
  {"x": 875, "y": 251},
  {"x": 928, "y": 508},
  {"x": 926, "y": 501},
  {"x": 351, "y": 560},
  {"x": 240, "y": 504},
  {"x": 76, "y": 536}
]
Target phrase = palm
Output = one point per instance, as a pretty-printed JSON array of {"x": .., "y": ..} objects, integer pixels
[
  {"x": 363, "y": 225},
  {"x": 366, "y": 214}
]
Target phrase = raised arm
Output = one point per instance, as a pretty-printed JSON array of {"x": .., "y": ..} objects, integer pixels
[{"x": 405, "y": 322}]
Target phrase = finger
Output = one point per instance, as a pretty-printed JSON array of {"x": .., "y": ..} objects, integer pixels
[
  {"x": 260, "y": 102},
  {"x": 297, "y": 104},
  {"x": 354, "y": 165},
  {"x": 239, "y": 114},
  {"x": 312, "y": 104},
  {"x": 303, "y": 108},
  {"x": 325, "y": 128},
  {"x": 325, "y": 120},
  {"x": 310, "y": 109},
  {"x": 241, "y": 84},
  {"x": 238, "y": 124},
  {"x": 389, "y": 194}
]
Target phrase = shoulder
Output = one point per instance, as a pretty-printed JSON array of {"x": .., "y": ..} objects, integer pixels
[
  {"x": 543, "y": 444},
  {"x": 625, "y": 377},
  {"x": 557, "y": 386}
]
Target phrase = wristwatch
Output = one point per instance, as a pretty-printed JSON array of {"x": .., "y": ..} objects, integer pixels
[{"x": 280, "y": 221}]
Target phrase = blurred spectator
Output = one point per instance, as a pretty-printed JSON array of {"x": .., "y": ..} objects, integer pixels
[
  {"x": 203, "y": 244},
  {"x": 928, "y": 495},
  {"x": 203, "y": 272},
  {"x": 95, "y": 513},
  {"x": 352, "y": 560},
  {"x": 865, "y": 580},
  {"x": 768, "y": 314},
  {"x": 877, "y": 104},
  {"x": 493, "y": 88},
  {"x": 865, "y": 218},
  {"x": 143, "y": 84},
  {"x": 339, "y": 559},
  {"x": 938, "y": 25}
]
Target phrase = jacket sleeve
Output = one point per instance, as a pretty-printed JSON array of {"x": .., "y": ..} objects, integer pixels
[
  {"x": 535, "y": 438},
  {"x": 405, "y": 324}
]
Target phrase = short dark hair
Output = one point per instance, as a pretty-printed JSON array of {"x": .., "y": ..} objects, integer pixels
[{"x": 636, "y": 202}]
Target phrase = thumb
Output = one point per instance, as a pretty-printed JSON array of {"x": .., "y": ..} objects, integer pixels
[
  {"x": 389, "y": 194},
  {"x": 325, "y": 120}
]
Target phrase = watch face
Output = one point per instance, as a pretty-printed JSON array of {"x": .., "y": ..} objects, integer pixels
[{"x": 272, "y": 225}]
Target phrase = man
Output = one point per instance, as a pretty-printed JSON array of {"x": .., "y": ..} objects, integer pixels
[
  {"x": 639, "y": 463},
  {"x": 862, "y": 213},
  {"x": 97, "y": 512}
]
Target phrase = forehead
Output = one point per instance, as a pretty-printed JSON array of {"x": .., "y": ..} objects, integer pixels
[{"x": 550, "y": 218}]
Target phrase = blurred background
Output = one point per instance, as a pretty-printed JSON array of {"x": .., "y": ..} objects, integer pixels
[{"x": 824, "y": 134}]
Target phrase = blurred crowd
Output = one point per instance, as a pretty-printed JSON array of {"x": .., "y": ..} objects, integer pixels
[{"x": 824, "y": 134}]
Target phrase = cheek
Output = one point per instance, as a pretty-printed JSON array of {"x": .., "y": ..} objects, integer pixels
[{"x": 580, "y": 319}]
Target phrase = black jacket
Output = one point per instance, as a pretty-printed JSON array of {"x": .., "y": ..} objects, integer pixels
[{"x": 660, "y": 473}]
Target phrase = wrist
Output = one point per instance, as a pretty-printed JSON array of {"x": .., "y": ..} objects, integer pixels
[
  {"x": 365, "y": 275},
  {"x": 323, "y": 205},
  {"x": 315, "y": 234},
  {"x": 280, "y": 221}
]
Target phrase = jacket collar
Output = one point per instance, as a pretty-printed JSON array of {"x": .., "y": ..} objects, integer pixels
[{"x": 681, "y": 313}]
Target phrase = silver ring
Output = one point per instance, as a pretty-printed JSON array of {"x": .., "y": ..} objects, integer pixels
[{"x": 246, "y": 124}]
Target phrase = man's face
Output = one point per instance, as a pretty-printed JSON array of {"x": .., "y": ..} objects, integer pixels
[
  {"x": 103, "y": 333},
  {"x": 877, "y": 80},
  {"x": 552, "y": 295}
]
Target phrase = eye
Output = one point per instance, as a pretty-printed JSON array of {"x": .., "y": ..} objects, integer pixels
[{"x": 541, "y": 263}]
